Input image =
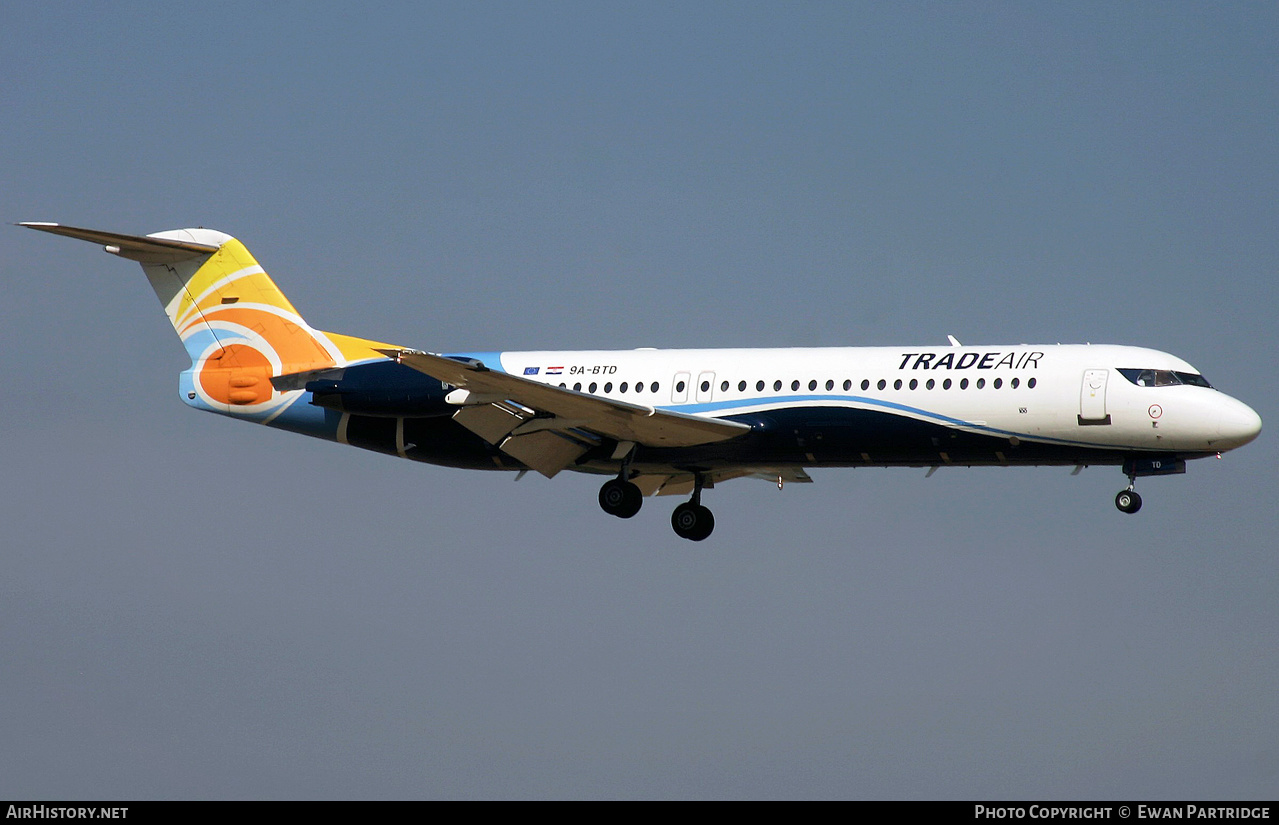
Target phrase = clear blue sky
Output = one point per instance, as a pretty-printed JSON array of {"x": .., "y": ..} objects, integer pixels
[{"x": 193, "y": 607}]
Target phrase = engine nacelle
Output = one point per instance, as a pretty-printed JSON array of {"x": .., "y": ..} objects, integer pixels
[{"x": 383, "y": 389}]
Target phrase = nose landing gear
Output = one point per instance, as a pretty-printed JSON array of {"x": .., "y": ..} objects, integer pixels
[
  {"x": 1128, "y": 501},
  {"x": 1138, "y": 467}
]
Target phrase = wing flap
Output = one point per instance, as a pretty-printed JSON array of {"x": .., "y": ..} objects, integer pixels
[
  {"x": 795, "y": 475},
  {"x": 489, "y": 421},
  {"x": 547, "y": 452},
  {"x": 681, "y": 484},
  {"x": 650, "y": 484}
]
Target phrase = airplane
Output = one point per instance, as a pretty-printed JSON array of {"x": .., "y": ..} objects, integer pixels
[{"x": 676, "y": 421}]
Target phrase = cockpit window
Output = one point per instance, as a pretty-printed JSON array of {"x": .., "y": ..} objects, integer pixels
[
  {"x": 1193, "y": 380},
  {"x": 1164, "y": 378},
  {"x": 1151, "y": 378}
]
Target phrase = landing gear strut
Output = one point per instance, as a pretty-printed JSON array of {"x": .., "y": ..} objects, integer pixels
[
  {"x": 1136, "y": 467},
  {"x": 619, "y": 497},
  {"x": 691, "y": 520}
]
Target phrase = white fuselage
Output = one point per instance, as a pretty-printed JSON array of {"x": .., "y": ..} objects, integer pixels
[{"x": 1062, "y": 394}]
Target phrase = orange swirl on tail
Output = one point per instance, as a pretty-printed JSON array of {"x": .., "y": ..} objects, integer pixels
[{"x": 295, "y": 346}]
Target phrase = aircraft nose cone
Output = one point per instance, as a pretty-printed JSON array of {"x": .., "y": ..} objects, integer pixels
[{"x": 1237, "y": 424}]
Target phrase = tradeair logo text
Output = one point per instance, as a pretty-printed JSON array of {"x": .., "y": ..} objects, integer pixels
[{"x": 969, "y": 360}]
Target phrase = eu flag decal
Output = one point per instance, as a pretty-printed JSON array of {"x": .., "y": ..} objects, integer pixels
[{"x": 531, "y": 370}]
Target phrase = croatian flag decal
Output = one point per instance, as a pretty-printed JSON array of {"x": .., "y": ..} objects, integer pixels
[
  {"x": 531, "y": 370},
  {"x": 554, "y": 370}
]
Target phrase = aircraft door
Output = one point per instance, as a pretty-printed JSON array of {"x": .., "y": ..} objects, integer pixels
[
  {"x": 1092, "y": 398},
  {"x": 679, "y": 388},
  {"x": 705, "y": 387}
]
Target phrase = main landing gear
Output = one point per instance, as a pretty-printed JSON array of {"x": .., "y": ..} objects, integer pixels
[
  {"x": 692, "y": 521},
  {"x": 620, "y": 498}
]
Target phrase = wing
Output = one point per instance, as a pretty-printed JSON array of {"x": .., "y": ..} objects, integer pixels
[{"x": 547, "y": 427}]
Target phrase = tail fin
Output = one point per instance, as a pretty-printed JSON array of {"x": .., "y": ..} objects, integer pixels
[{"x": 236, "y": 325}]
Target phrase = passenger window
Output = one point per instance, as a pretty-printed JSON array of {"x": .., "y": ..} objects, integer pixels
[
  {"x": 882, "y": 383},
  {"x": 608, "y": 387},
  {"x": 741, "y": 386},
  {"x": 914, "y": 384},
  {"x": 865, "y": 384},
  {"x": 897, "y": 385},
  {"x": 999, "y": 382},
  {"x": 1031, "y": 383},
  {"x": 679, "y": 387},
  {"x": 830, "y": 385},
  {"x": 759, "y": 386},
  {"x": 622, "y": 388},
  {"x": 794, "y": 385},
  {"x": 848, "y": 385},
  {"x": 931, "y": 383}
]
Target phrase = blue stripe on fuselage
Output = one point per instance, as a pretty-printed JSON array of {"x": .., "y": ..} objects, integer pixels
[{"x": 790, "y": 401}]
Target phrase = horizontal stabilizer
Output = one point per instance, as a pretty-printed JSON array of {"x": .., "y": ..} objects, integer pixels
[{"x": 134, "y": 247}]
